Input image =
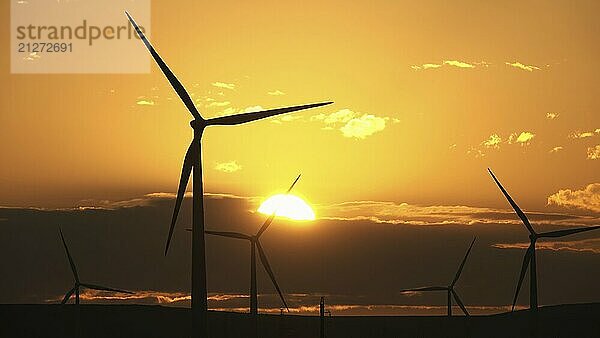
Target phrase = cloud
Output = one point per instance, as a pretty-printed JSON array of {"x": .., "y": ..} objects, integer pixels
[
  {"x": 588, "y": 198},
  {"x": 453, "y": 63},
  {"x": 519, "y": 65},
  {"x": 228, "y": 167},
  {"x": 363, "y": 126},
  {"x": 298, "y": 303},
  {"x": 357, "y": 125},
  {"x": 524, "y": 138},
  {"x": 218, "y": 104},
  {"x": 32, "y": 56},
  {"x": 458, "y": 64},
  {"x": 286, "y": 118},
  {"x": 556, "y": 149},
  {"x": 251, "y": 109},
  {"x": 552, "y": 116},
  {"x": 382, "y": 212},
  {"x": 493, "y": 141},
  {"x": 426, "y": 66},
  {"x": 276, "y": 93},
  {"x": 585, "y": 134},
  {"x": 232, "y": 111},
  {"x": 224, "y": 85},
  {"x": 586, "y": 245},
  {"x": 475, "y": 152},
  {"x": 593, "y": 153},
  {"x": 144, "y": 102}
]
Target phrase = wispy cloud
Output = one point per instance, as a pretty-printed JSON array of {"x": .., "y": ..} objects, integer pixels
[
  {"x": 383, "y": 212},
  {"x": 556, "y": 149},
  {"x": 593, "y": 153},
  {"x": 218, "y": 104},
  {"x": 276, "y": 93},
  {"x": 298, "y": 303},
  {"x": 519, "y": 65},
  {"x": 493, "y": 141},
  {"x": 351, "y": 123},
  {"x": 585, "y": 134},
  {"x": 552, "y": 116},
  {"x": 453, "y": 63},
  {"x": 286, "y": 118},
  {"x": 524, "y": 138},
  {"x": 224, "y": 85},
  {"x": 459, "y": 64},
  {"x": 426, "y": 66},
  {"x": 145, "y": 102},
  {"x": 228, "y": 167},
  {"x": 587, "y": 198},
  {"x": 32, "y": 56},
  {"x": 586, "y": 245}
]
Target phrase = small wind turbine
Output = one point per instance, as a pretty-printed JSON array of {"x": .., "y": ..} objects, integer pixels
[
  {"x": 450, "y": 288},
  {"x": 529, "y": 257},
  {"x": 193, "y": 160},
  {"x": 78, "y": 285},
  {"x": 254, "y": 245}
]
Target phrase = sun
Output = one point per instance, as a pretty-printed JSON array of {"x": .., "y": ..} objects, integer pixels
[{"x": 289, "y": 206}]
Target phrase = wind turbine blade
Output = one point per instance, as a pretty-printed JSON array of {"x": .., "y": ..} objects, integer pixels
[
  {"x": 183, "y": 94},
  {"x": 427, "y": 288},
  {"x": 269, "y": 220},
  {"x": 514, "y": 205},
  {"x": 73, "y": 268},
  {"x": 229, "y": 234},
  {"x": 561, "y": 233},
  {"x": 462, "y": 264},
  {"x": 249, "y": 117},
  {"x": 293, "y": 184},
  {"x": 104, "y": 288},
  {"x": 460, "y": 303},
  {"x": 188, "y": 163},
  {"x": 526, "y": 260},
  {"x": 267, "y": 266},
  {"x": 68, "y": 295}
]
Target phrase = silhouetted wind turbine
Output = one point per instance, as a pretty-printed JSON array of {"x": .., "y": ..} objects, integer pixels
[
  {"x": 450, "y": 288},
  {"x": 193, "y": 160},
  {"x": 529, "y": 257},
  {"x": 254, "y": 245},
  {"x": 78, "y": 285}
]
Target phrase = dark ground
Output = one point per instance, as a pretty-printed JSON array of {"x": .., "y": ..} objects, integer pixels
[{"x": 577, "y": 321}]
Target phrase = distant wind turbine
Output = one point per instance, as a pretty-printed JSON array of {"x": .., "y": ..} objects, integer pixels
[
  {"x": 529, "y": 257},
  {"x": 450, "y": 288},
  {"x": 254, "y": 245},
  {"x": 78, "y": 285},
  {"x": 193, "y": 160}
]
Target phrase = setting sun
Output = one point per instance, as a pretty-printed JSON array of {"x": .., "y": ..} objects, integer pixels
[{"x": 289, "y": 206}]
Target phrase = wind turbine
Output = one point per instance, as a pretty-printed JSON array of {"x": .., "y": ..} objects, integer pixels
[
  {"x": 78, "y": 285},
  {"x": 254, "y": 245},
  {"x": 450, "y": 288},
  {"x": 193, "y": 160},
  {"x": 529, "y": 257}
]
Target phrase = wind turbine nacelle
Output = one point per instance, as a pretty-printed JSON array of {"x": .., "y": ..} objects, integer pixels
[{"x": 198, "y": 124}]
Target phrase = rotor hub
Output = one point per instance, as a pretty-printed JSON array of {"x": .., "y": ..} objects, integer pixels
[{"x": 198, "y": 125}]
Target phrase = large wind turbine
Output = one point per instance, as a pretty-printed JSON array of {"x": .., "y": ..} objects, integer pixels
[
  {"x": 193, "y": 160},
  {"x": 450, "y": 288},
  {"x": 254, "y": 245},
  {"x": 78, "y": 285},
  {"x": 529, "y": 257}
]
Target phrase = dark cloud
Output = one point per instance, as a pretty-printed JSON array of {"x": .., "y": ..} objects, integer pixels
[{"x": 360, "y": 263}]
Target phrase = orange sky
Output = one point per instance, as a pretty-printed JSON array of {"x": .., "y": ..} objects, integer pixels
[{"x": 406, "y": 132}]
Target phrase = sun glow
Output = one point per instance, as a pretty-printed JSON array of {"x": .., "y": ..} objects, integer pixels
[{"x": 289, "y": 206}]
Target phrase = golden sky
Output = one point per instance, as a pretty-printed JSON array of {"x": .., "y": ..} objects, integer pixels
[{"x": 427, "y": 96}]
